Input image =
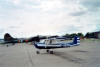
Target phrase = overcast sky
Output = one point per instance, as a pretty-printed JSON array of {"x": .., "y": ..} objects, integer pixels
[{"x": 25, "y": 18}]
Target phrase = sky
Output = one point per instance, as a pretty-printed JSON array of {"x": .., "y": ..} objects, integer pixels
[{"x": 26, "y": 18}]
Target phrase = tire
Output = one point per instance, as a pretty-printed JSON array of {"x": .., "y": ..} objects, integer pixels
[
  {"x": 51, "y": 52},
  {"x": 37, "y": 52},
  {"x": 47, "y": 51}
]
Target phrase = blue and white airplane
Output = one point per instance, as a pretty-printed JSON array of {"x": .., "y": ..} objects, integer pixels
[{"x": 52, "y": 44}]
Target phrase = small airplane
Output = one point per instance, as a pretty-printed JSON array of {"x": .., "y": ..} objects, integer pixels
[{"x": 52, "y": 44}]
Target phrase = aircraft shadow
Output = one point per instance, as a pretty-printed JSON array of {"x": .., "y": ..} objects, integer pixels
[
  {"x": 81, "y": 51},
  {"x": 69, "y": 57}
]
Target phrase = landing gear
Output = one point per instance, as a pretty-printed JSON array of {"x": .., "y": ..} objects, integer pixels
[
  {"x": 47, "y": 51},
  {"x": 7, "y": 45},
  {"x": 51, "y": 52},
  {"x": 37, "y": 52}
]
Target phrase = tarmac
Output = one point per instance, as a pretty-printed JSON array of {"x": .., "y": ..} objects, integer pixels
[{"x": 24, "y": 55}]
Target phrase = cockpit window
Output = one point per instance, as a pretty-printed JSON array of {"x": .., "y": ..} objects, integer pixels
[
  {"x": 42, "y": 41},
  {"x": 49, "y": 41}
]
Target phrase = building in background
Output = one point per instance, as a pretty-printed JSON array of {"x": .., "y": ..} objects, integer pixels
[
  {"x": 97, "y": 34},
  {"x": 93, "y": 35}
]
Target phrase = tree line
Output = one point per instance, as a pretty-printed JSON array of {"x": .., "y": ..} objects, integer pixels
[
  {"x": 87, "y": 35},
  {"x": 73, "y": 34}
]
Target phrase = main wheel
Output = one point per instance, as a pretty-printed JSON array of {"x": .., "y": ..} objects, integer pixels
[
  {"x": 51, "y": 52},
  {"x": 7, "y": 45},
  {"x": 37, "y": 52}
]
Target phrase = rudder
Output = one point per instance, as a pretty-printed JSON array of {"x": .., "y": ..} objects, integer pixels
[{"x": 76, "y": 41}]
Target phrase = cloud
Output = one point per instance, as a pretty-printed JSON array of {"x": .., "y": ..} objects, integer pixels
[
  {"x": 91, "y": 5},
  {"x": 1, "y": 31},
  {"x": 78, "y": 13},
  {"x": 25, "y": 18},
  {"x": 16, "y": 2}
]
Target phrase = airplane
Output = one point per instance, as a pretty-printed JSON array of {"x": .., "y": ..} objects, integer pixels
[
  {"x": 52, "y": 44},
  {"x": 36, "y": 38},
  {"x": 61, "y": 38},
  {"x": 8, "y": 39}
]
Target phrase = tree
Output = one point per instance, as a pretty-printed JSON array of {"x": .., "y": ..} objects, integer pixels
[
  {"x": 73, "y": 35},
  {"x": 87, "y": 35},
  {"x": 80, "y": 35},
  {"x": 67, "y": 35}
]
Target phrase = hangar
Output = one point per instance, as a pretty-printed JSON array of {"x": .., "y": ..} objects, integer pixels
[
  {"x": 97, "y": 34},
  {"x": 93, "y": 35}
]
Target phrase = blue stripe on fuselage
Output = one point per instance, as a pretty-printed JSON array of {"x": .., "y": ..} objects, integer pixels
[{"x": 50, "y": 46}]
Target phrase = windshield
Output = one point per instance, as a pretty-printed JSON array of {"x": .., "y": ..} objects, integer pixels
[{"x": 42, "y": 41}]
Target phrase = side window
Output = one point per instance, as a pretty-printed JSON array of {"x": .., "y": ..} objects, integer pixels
[
  {"x": 42, "y": 41},
  {"x": 50, "y": 41},
  {"x": 46, "y": 42}
]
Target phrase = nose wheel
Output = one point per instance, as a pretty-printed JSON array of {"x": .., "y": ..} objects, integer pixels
[{"x": 47, "y": 51}]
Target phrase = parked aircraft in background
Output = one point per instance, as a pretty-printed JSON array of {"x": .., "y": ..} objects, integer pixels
[
  {"x": 9, "y": 39},
  {"x": 52, "y": 44},
  {"x": 35, "y": 38}
]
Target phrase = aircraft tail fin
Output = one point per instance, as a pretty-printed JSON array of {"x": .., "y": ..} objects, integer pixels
[
  {"x": 76, "y": 41},
  {"x": 8, "y": 37}
]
